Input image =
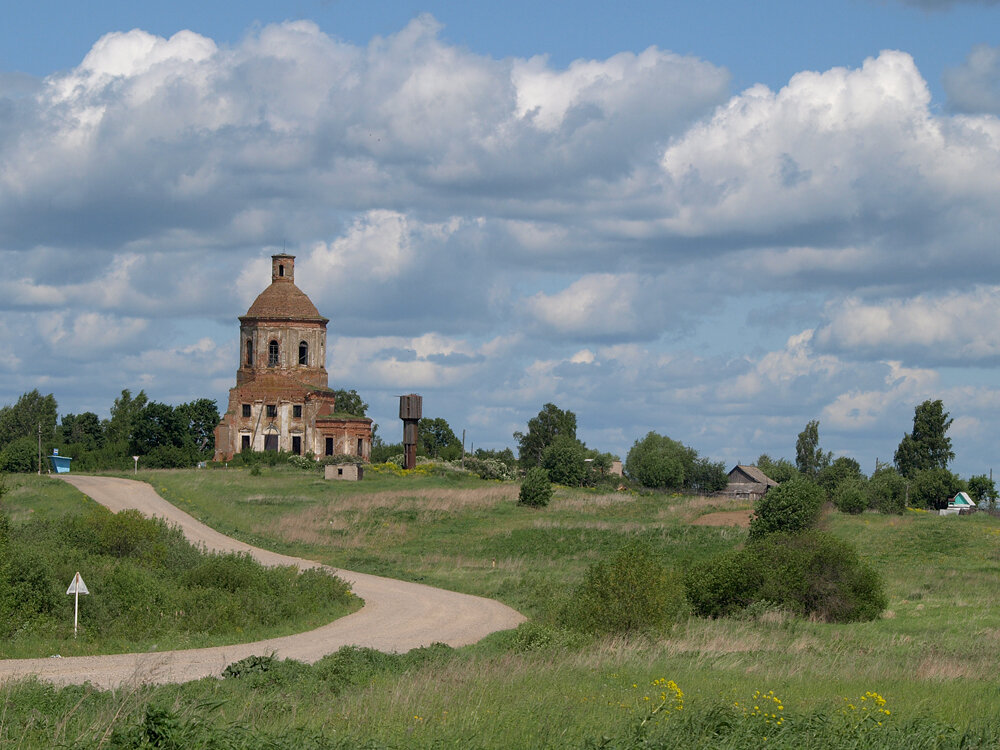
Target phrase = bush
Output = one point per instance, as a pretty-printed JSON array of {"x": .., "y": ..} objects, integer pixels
[
  {"x": 302, "y": 462},
  {"x": 489, "y": 468},
  {"x": 20, "y": 456},
  {"x": 726, "y": 585},
  {"x": 631, "y": 591},
  {"x": 851, "y": 496},
  {"x": 887, "y": 491},
  {"x": 536, "y": 490},
  {"x": 810, "y": 574},
  {"x": 790, "y": 507}
]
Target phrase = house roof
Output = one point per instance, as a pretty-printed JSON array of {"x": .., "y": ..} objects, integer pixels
[
  {"x": 754, "y": 474},
  {"x": 282, "y": 300}
]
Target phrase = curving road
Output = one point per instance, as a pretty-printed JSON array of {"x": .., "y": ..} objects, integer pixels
[{"x": 397, "y": 615}]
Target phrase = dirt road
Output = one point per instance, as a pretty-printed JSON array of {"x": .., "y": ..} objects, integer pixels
[{"x": 397, "y": 615}]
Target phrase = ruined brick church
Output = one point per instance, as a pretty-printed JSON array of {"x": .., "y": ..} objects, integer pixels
[{"x": 281, "y": 400}]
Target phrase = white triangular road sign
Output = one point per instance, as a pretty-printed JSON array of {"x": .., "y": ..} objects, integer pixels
[{"x": 77, "y": 586}]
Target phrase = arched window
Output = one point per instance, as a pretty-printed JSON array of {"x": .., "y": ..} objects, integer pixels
[
  {"x": 281, "y": 269},
  {"x": 272, "y": 354},
  {"x": 249, "y": 353},
  {"x": 303, "y": 353}
]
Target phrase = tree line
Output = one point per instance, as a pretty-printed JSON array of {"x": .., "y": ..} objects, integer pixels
[
  {"x": 918, "y": 476},
  {"x": 164, "y": 436}
]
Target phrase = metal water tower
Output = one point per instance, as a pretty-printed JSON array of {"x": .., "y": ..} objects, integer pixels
[{"x": 410, "y": 409}]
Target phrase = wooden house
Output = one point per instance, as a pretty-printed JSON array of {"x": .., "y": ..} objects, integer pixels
[{"x": 748, "y": 483}]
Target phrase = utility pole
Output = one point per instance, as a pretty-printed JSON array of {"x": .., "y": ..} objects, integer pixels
[{"x": 39, "y": 449}]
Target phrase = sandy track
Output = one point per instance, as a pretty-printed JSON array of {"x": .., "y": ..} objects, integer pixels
[{"x": 397, "y": 615}]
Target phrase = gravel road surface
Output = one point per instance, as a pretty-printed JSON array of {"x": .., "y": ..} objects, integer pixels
[{"x": 397, "y": 615}]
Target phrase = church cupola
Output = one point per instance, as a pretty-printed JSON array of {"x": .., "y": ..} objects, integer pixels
[{"x": 282, "y": 267}]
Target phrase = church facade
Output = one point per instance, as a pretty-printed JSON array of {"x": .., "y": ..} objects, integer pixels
[{"x": 282, "y": 400}]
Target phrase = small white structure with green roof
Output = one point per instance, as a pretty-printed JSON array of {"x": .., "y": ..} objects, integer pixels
[{"x": 961, "y": 502}]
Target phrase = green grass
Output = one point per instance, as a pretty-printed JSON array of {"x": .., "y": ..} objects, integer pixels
[
  {"x": 931, "y": 656},
  {"x": 150, "y": 588}
]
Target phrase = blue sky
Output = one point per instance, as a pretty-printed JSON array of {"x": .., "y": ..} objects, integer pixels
[{"x": 715, "y": 220}]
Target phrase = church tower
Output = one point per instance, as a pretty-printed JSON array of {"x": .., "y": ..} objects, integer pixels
[{"x": 282, "y": 400}]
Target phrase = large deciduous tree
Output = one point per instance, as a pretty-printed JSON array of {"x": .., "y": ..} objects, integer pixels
[
  {"x": 810, "y": 459},
  {"x": 23, "y": 419},
  {"x": 543, "y": 429},
  {"x": 349, "y": 402},
  {"x": 927, "y": 447},
  {"x": 564, "y": 460},
  {"x": 437, "y": 439},
  {"x": 200, "y": 418}
]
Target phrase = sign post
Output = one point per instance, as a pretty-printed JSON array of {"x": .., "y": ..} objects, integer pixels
[
  {"x": 76, "y": 587},
  {"x": 136, "y": 459}
]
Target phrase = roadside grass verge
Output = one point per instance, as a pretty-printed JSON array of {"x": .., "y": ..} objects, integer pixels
[{"x": 150, "y": 588}]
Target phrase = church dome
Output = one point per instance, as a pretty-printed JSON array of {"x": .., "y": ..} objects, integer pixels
[{"x": 283, "y": 301}]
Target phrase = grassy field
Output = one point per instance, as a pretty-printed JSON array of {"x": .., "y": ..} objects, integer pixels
[{"x": 931, "y": 657}]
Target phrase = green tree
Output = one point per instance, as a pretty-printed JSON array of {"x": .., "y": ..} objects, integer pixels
[
  {"x": 349, "y": 402},
  {"x": 927, "y": 446},
  {"x": 706, "y": 476},
  {"x": 550, "y": 422},
  {"x": 84, "y": 430},
  {"x": 780, "y": 470},
  {"x": 437, "y": 439},
  {"x": 810, "y": 459},
  {"x": 982, "y": 489},
  {"x": 23, "y": 418},
  {"x": 790, "y": 507},
  {"x": 159, "y": 426},
  {"x": 564, "y": 460},
  {"x": 933, "y": 488},
  {"x": 656, "y": 461},
  {"x": 20, "y": 456},
  {"x": 843, "y": 469},
  {"x": 200, "y": 418},
  {"x": 124, "y": 414},
  {"x": 536, "y": 490}
]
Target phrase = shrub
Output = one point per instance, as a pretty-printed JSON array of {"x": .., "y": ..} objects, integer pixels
[
  {"x": 301, "y": 462},
  {"x": 887, "y": 491},
  {"x": 489, "y": 468},
  {"x": 851, "y": 496},
  {"x": 726, "y": 585},
  {"x": 631, "y": 591},
  {"x": 790, "y": 507},
  {"x": 20, "y": 456},
  {"x": 536, "y": 490},
  {"x": 811, "y": 574}
]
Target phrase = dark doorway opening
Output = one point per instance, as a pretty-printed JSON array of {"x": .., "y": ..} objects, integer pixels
[{"x": 270, "y": 442}]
